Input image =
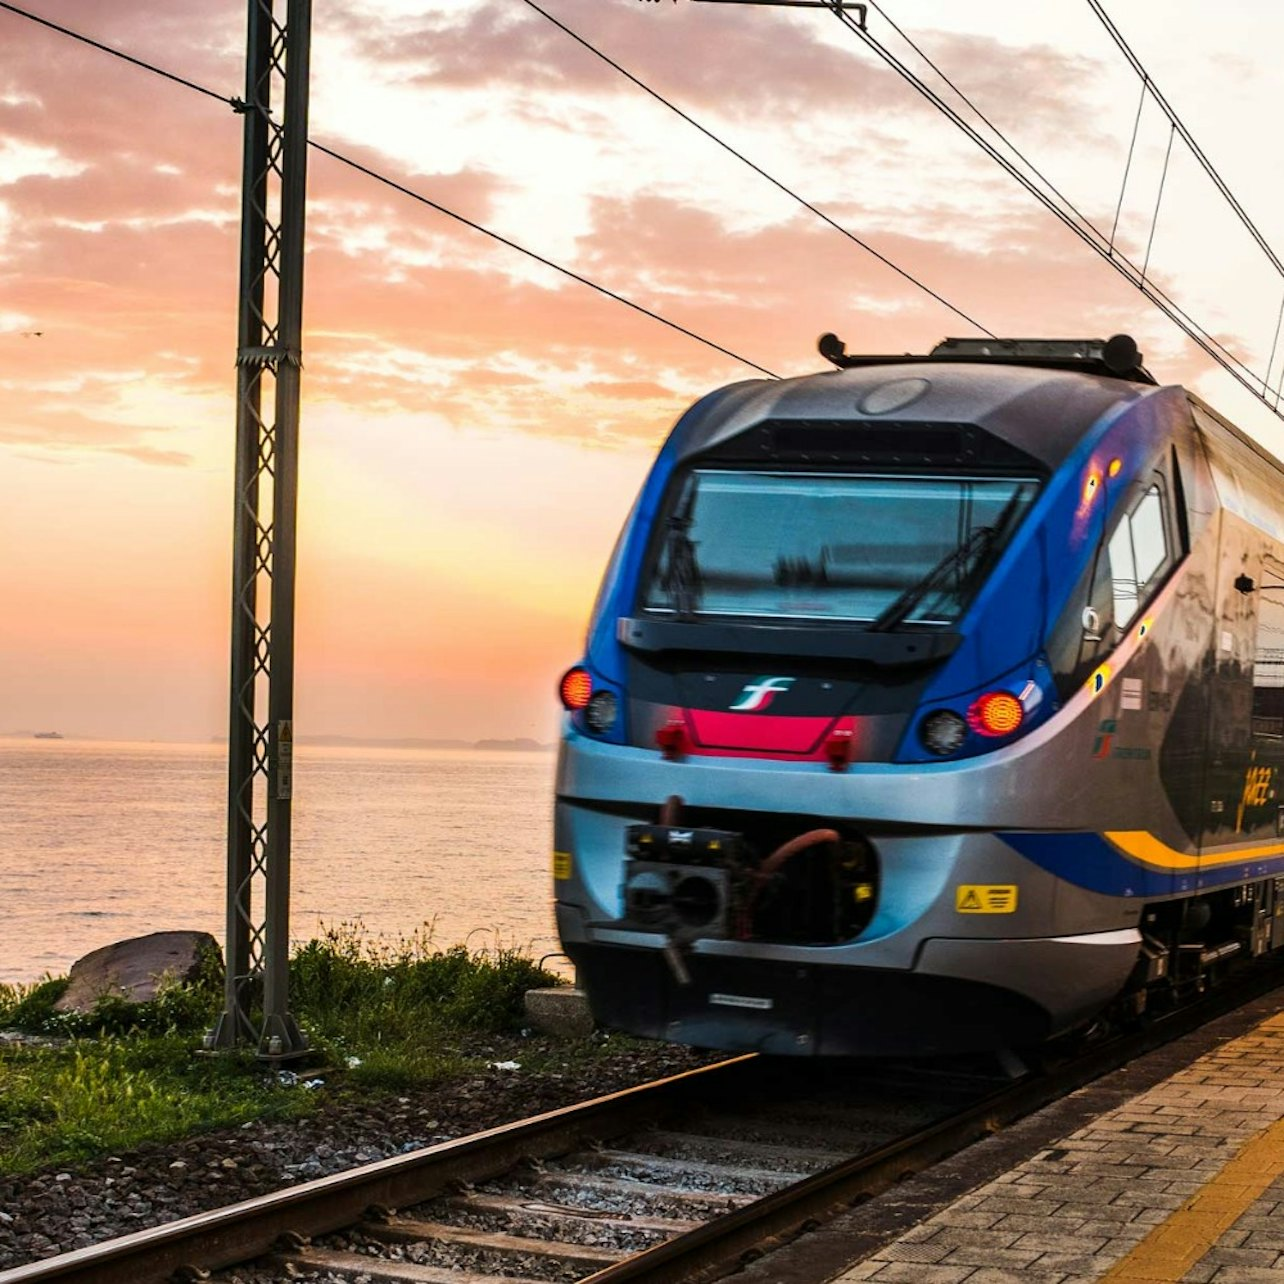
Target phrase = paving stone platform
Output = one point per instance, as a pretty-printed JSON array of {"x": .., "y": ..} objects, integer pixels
[{"x": 1182, "y": 1182}]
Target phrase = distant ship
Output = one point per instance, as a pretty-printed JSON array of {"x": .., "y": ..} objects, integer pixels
[{"x": 48, "y": 735}]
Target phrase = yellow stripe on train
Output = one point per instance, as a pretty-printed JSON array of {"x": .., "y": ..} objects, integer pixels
[{"x": 1144, "y": 846}]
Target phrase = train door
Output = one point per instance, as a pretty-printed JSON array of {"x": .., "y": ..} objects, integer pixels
[
  {"x": 1235, "y": 751},
  {"x": 1260, "y": 810}
]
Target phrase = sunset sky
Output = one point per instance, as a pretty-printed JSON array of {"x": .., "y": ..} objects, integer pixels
[{"x": 475, "y": 426}]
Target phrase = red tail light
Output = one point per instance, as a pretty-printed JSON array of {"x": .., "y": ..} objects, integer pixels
[
  {"x": 996, "y": 713},
  {"x": 576, "y": 687},
  {"x": 838, "y": 748},
  {"x": 672, "y": 738}
]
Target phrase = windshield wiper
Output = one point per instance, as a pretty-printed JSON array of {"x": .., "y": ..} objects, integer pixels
[
  {"x": 681, "y": 578},
  {"x": 979, "y": 544}
]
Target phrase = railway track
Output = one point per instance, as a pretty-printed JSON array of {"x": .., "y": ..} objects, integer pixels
[{"x": 673, "y": 1180}]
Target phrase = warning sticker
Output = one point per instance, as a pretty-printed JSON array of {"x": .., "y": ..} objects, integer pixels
[
  {"x": 561, "y": 865},
  {"x": 985, "y": 898}
]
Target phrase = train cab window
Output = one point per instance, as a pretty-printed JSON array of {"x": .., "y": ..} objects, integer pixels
[
  {"x": 875, "y": 550},
  {"x": 1138, "y": 552}
]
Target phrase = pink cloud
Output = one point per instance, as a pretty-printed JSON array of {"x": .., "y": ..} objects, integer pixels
[{"x": 729, "y": 61}]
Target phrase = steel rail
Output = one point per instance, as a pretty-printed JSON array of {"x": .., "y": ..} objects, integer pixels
[
  {"x": 240, "y": 1232},
  {"x": 717, "y": 1246},
  {"x": 251, "y": 1228}
]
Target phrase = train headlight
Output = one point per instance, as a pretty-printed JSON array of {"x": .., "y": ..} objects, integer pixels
[
  {"x": 601, "y": 711},
  {"x": 942, "y": 731},
  {"x": 996, "y": 713},
  {"x": 575, "y": 688}
]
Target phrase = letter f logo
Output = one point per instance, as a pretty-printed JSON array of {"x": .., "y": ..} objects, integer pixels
[{"x": 758, "y": 695}]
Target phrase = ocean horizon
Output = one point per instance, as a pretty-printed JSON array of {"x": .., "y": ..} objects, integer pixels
[{"x": 104, "y": 840}]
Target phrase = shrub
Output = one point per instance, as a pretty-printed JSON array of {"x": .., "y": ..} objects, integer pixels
[
  {"x": 31, "y": 1007},
  {"x": 368, "y": 995}
]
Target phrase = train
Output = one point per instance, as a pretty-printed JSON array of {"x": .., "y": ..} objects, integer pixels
[{"x": 929, "y": 704}]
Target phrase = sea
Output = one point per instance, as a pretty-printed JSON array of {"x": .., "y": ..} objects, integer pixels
[{"x": 103, "y": 841}]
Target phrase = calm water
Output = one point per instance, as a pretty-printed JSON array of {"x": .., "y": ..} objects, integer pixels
[{"x": 99, "y": 842}]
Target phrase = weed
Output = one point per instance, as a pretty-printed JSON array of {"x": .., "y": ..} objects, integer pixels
[
  {"x": 31, "y": 1007},
  {"x": 397, "y": 1015},
  {"x": 65, "y": 1104},
  {"x": 395, "y": 1005}
]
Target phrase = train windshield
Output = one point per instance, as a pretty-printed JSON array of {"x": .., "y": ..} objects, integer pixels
[{"x": 877, "y": 550}]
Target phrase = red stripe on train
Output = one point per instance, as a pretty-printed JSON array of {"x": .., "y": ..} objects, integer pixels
[{"x": 759, "y": 735}]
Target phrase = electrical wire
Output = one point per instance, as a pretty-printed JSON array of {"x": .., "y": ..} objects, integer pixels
[
  {"x": 118, "y": 53},
  {"x": 532, "y": 254},
  {"x": 238, "y": 106},
  {"x": 1132, "y": 147},
  {"x": 1232, "y": 364},
  {"x": 758, "y": 169},
  {"x": 1148, "y": 85},
  {"x": 1159, "y": 199},
  {"x": 1103, "y": 245},
  {"x": 980, "y": 115}
]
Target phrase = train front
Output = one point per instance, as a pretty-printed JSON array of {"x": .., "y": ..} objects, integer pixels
[{"x": 816, "y": 685}]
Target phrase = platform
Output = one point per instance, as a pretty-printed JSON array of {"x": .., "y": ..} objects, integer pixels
[{"x": 1171, "y": 1169}]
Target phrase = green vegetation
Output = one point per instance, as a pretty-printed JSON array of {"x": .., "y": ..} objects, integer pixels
[
  {"x": 387, "y": 1017},
  {"x": 400, "y": 1010},
  {"x": 95, "y": 1096}
]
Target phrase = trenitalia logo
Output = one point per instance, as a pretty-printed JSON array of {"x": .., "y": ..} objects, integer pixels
[{"x": 758, "y": 695}]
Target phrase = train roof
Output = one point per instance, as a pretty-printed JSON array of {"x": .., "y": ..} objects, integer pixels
[
  {"x": 1041, "y": 410},
  {"x": 1116, "y": 358}
]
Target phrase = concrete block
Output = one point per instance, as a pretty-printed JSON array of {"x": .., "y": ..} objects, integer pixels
[{"x": 561, "y": 1011}]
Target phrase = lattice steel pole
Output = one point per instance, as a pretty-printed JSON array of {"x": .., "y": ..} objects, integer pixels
[{"x": 269, "y": 352}]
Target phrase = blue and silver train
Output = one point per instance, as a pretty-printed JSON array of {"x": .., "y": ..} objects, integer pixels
[{"x": 929, "y": 704}]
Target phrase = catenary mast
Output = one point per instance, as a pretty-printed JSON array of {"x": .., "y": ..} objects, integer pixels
[{"x": 269, "y": 365}]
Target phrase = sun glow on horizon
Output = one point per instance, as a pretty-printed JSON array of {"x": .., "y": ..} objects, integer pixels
[{"x": 475, "y": 426}]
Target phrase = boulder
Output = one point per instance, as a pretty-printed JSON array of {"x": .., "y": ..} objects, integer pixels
[
  {"x": 561, "y": 1011},
  {"x": 133, "y": 970}
]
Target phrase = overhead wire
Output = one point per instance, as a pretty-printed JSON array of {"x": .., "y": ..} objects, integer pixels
[
  {"x": 758, "y": 169},
  {"x": 1086, "y": 224},
  {"x": 1149, "y": 88},
  {"x": 238, "y": 106},
  {"x": 534, "y": 255},
  {"x": 1159, "y": 200},
  {"x": 1213, "y": 347},
  {"x": 1185, "y": 135},
  {"x": 1132, "y": 147},
  {"x": 116, "y": 53}
]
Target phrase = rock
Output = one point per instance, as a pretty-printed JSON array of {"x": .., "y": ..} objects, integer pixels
[
  {"x": 560, "y": 1011},
  {"x": 133, "y": 969}
]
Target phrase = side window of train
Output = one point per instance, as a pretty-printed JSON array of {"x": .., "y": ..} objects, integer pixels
[
  {"x": 1268, "y": 655},
  {"x": 1127, "y": 568},
  {"x": 1138, "y": 553}
]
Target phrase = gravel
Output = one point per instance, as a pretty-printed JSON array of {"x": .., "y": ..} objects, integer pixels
[{"x": 60, "y": 1209}]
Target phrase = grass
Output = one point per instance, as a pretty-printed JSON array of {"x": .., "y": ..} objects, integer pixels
[
  {"x": 405, "y": 1010},
  {"x": 393, "y": 1016},
  {"x": 93, "y": 1097}
]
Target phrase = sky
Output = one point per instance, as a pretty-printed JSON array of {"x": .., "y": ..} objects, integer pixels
[{"x": 474, "y": 425}]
